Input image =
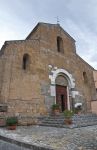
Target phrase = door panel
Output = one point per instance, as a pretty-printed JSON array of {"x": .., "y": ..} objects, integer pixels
[{"x": 61, "y": 97}]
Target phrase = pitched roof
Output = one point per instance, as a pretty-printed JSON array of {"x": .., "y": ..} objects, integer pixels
[{"x": 48, "y": 24}]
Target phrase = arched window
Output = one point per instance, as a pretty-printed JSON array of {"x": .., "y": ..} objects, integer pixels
[
  {"x": 60, "y": 44},
  {"x": 25, "y": 61},
  {"x": 85, "y": 77}
]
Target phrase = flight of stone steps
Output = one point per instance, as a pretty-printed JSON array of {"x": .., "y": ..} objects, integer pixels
[{"x": 81, "y": 120}]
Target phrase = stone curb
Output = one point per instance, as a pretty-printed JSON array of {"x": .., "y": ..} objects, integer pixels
[{"x": 22, "y": 144}]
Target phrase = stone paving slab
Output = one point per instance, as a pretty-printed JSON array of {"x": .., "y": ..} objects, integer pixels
[
  {"x": 10, "y": 146},
  {"x": 84, "y": 138}
]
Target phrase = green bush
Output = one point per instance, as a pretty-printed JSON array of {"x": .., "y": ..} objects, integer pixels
[
  {"x": 11, "y": 121},
  {"x": 68, "y": 113},
  {"x": 55, "y": 106}
]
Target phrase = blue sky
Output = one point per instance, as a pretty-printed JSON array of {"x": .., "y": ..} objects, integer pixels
[{"x": 77, "y": 17}]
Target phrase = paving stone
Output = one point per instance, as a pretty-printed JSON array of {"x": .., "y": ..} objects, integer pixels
[
  {"x": 9, "y": 146},
  {"x": 84, "y": 138}
]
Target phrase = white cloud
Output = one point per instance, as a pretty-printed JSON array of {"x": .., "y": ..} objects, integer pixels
[
  {"x": 86, "y": 41},
  {"x": 77, "y": 17}
]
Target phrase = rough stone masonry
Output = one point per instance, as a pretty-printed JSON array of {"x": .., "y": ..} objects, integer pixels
[{"x": 32, "y": 69}]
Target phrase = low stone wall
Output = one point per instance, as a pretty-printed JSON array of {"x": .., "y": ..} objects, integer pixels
[
  {"x": 27, "y": 120},
  {"x": 26, "y": 111}
]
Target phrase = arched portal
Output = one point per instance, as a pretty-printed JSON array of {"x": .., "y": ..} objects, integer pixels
[{"x": 61, "y": 84}]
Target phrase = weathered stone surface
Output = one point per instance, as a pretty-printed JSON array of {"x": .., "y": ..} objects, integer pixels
[
  {"x": 28, "y": 91},
  {"x": 35, "y": 137}
]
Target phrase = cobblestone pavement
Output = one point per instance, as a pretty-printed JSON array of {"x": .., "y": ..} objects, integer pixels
[
  {"x": 9, "y": 146},
  {"x": 84, "y": 138}
]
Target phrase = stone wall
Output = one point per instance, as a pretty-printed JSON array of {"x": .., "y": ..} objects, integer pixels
[{"x": 28, "y": 91}]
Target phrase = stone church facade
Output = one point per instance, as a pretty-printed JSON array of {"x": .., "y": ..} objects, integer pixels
[{"x": 42, "y": 70}]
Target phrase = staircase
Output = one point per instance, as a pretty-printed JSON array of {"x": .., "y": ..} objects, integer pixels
[{"x": 81, "y": 120}]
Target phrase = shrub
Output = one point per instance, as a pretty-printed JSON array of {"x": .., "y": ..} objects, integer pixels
[
  {"x": 68, "y": 113},
  {"x": 55, "y": 106},
  {"x": 11, "y": 121}
]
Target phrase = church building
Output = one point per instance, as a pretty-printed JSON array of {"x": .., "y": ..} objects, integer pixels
[{"x": 42, "y": 70}]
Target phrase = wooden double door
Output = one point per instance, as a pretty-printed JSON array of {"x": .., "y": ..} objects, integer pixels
[{"x": 61, "y": 97}]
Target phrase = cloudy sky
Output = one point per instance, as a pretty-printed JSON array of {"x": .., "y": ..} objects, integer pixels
[{"x": 77, "y": 17}]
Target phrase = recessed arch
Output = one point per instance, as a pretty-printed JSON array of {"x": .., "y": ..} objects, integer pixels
[
  {"x": 64, "y": 73},
  {"x": 61, "y": 80},
  {"x": 69, "y": 85}
]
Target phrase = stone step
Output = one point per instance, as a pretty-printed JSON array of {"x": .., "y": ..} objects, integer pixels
[
  {"x": 78, "y": 120},
  {"x": 52, "y": 125},
  {"x": 53, "y": 121}
]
